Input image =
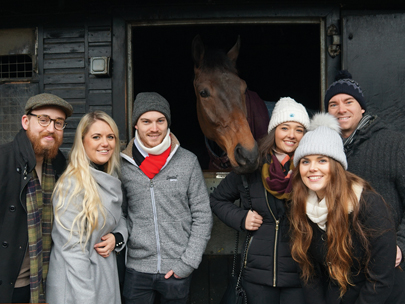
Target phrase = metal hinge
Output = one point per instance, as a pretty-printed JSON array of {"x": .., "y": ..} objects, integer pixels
[{"x": 334, "y": 48}]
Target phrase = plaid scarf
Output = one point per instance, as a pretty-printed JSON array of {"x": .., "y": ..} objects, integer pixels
[
  {"x": 39, "y": 220},
  {"x": 276, "y": 176}
]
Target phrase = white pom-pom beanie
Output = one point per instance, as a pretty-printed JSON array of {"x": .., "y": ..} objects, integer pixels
[
  {"x": 322, "y": 138},
  {"x": 287, "y": 109}
]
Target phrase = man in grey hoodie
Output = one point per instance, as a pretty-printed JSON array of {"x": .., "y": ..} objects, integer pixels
[{"x": 167, "y": 207}]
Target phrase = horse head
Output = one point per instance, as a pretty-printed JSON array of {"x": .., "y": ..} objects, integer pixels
[{"x": 221, "y": 104}]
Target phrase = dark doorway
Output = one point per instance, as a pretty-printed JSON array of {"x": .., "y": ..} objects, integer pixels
[{"x": 276, "y": 60}]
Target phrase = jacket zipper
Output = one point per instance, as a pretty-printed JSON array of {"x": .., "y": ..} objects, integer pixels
[
  {"x": 275, "y": 241},
  {"x": 247, "y": 250},
  {"x": 152, "y": 195}
]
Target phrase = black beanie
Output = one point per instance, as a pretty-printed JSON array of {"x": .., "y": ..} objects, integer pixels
[
  {"x": 345, "y": 84},
  {"x": 150, "y": 101}
]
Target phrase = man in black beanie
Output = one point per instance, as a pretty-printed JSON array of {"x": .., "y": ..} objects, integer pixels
[{"x": 375, "y": 153}]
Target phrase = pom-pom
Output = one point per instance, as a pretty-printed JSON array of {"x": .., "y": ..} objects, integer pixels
[
  {"x": 325, "y": 120},
  {"x": 343, "y": 74}
]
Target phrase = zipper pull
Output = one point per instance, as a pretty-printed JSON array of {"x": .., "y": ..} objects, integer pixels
[
  {"x": 277, "y": 222},
  {"x": 151, "y": 184}
]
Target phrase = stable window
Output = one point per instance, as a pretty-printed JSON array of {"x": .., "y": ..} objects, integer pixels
[
  {"x": 18, "y": 54},
  {"x": 15, "y": 67}
]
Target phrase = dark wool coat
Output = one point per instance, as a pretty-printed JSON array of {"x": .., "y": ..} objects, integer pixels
[
  {"x": 377, "y": 287},
  {"x": 377, "y": 154},
  {"x": 17, "y": 160},
  {"x": 269, "y": 260}
]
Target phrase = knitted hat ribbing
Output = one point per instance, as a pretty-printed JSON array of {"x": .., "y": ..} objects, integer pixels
[
  {"x": 150, "y": 101},
  {"x": 322, "y": 138},
  {"x": 345, "y": 84},
  {"x": 287, "y": 109}
]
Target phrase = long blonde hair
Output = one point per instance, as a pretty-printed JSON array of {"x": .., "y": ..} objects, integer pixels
[{"x": 78, "y": 170}]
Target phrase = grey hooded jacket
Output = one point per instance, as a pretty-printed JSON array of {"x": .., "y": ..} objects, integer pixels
[{"x": 169, "y": 217}]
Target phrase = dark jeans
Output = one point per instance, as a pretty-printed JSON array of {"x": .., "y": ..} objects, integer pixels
[
  {"x": 141, "y": 288},
  {"x": 21, "y": 295},
  {"x": 260, "y": 294}
]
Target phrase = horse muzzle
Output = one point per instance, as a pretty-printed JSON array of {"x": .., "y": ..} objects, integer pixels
[{"x": 248, "y": 160}]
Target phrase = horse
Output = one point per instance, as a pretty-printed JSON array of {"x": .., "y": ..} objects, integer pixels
[{"x": 223, "y": 110}]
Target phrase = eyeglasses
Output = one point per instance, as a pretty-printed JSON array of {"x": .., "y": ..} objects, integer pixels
[{"x": 45, "y": 120}]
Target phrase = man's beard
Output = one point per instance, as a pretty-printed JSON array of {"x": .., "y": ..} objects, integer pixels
[{"x": 48, "y": 152}]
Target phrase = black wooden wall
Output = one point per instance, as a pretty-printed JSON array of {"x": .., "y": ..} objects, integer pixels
[{"x": 64, "y": 69}]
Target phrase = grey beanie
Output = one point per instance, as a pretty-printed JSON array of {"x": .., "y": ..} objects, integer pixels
[
  {"x": 150, "y": 101},
  {"x": 322, "y": 138}
]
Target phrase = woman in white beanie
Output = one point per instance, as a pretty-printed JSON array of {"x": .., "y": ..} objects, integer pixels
[
  {"x": 270, "y": 275},
  {"x": 342, "y": 234}
]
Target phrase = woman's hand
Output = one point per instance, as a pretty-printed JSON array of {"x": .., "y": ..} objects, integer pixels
[
  {"x": 253, "y": 221},
  {"x": 107, "y": 245}
]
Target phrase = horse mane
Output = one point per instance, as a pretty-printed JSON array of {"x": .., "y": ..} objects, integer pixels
[{"x": 216, "y": 59}]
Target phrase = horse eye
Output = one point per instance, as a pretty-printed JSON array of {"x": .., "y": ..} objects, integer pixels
[{"x": 204, "y": 93}]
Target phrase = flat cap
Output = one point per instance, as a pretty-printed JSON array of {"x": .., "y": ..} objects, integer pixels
[{"x": 45, "y": 99}]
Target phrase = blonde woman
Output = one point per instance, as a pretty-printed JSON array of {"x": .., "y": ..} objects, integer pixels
[{"x": 88, "y": 226}]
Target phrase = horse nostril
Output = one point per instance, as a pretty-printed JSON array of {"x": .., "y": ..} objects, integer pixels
[
  {"x": 239, "y": 155},
  {"x": 246, "y": 159}
]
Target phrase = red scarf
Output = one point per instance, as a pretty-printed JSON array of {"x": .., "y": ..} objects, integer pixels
[{"x": 151, "y": 164}]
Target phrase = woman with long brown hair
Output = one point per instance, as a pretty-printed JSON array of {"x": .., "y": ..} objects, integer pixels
[
  {"x": 269, "y": 275},
  {"x": 342, "y": 233}
]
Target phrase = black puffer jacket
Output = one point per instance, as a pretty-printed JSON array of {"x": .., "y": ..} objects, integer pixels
[
  {"x": 269, "y": 260},
  {"x": 17, "y": 160}
]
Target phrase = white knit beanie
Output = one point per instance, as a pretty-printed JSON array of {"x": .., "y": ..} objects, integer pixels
[
  {"x": 287, "y": 109},
  {"x": 323, "y": 137}
]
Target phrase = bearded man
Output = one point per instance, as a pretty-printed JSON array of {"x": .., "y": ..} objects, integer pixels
[{"x": 30, "y": 164}]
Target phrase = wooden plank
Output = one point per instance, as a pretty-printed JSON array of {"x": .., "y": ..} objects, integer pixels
[
  {"x": 99, "y": 97},
  {"x": 99, "y": 44},
  {"x": 63, "y": 63},
  {"x": 99, "y": 36},
  {"x": 100, "y": 51},
  {"x": 64, "y": 33},
  {"x": 64, "y": 71},
  {"x": 64, "y": 78},
  {"x": 79, "y": 105},
  {"x": 107, "y": 109},
  {"x": 63, "y": 56},
  {"x": 118, "y": 76},
  {"x": 95, "y": 83},
  {"x": 66, "y": 92},
  {"x": 64, "y": 48},
  {"x": 63, "y": 40},
  {"x": 73, "y": 121}
]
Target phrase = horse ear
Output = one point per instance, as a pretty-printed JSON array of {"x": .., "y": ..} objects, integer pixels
[
  {"x": 197, "y": 50},
  {"x": 234, "y": 51}
]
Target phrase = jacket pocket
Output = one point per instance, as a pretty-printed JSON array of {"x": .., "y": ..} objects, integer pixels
[{"x": 173, "y": 239}]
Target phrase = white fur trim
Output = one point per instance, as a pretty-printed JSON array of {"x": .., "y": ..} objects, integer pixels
[{"x": 326, "y": 120}]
